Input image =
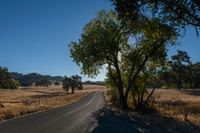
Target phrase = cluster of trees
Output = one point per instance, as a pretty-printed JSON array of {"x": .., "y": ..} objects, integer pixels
[
  {"x": 131, "y": 42},
  {"x": 31, "y": 78},
  {"x": 56, "y": 83},
  {"x": 181, "y": 72},
  {"x": 6, "y": 80},
  {"x": 44, "y": 83},
  {"x": 72, "y": 82}
]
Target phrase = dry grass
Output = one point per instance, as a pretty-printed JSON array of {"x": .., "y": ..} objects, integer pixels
[
  {"x": 171, "y": 106},
  {"x": 32, "y": 99},
  {"x": 182, "y": 105}
]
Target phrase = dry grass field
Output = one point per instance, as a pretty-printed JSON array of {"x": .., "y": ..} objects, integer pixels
[
  {"x": 14, "y": 103},
  {"x": 182, "y": 105}
]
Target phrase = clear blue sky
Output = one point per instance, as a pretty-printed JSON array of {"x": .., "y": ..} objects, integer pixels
[{"x": 34, "y": 34}]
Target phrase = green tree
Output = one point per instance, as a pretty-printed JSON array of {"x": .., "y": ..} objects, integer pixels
[
  {"x": 6, "y": 80},
  {"x": 179, "y": 66},
  {"x": 73, "y": 82},
  {"x": 43, "y": 82},
  {"x": 123, "y": 50},
  {"x": 77, "y": 80},
  {"x": 66, "y": 83}
]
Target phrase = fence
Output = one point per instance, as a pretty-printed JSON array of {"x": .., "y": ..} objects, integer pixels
[{"x": 10, "y": 109}]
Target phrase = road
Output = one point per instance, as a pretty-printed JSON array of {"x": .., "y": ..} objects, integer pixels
[{"x": 74, "y": 118}]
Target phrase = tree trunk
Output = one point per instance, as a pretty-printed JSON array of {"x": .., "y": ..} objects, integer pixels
[
  {"x": 123, "y": 103},
  {"x": 72, "y": 90},
  {"x": 122, "y": 96}
]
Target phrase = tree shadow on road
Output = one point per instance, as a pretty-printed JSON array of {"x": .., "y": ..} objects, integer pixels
[
  {"x": 108, "y": 122},
  {"x": 112, "y": 122}
]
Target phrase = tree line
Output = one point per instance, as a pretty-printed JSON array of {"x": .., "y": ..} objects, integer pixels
[
  {"x": 180, "y": 72},
  {"x": 131, "y": 42},
  {"x": 8, "y": 82},
  {"x": 12, "y": 80}
]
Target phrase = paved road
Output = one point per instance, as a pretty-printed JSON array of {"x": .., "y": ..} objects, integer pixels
[{"x": 75, "y": 118}]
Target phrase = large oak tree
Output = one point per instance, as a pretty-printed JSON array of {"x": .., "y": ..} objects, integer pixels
[{"x": 124, "y": 49}]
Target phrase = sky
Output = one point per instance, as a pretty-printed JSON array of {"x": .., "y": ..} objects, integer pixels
[{"x": 35, "y": 34}]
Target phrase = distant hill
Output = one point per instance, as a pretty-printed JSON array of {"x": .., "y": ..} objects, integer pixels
[{"x": 29, "y": 79}]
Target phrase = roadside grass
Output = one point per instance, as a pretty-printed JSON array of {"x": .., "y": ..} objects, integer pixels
[
  {"x": 182, "y": 105},
  {"x": 15, "y": 103}
]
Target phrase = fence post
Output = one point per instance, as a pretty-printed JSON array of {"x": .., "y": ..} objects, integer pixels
[{"x": 39, "y": 102}]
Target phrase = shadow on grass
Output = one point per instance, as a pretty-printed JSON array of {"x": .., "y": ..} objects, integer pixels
[{"x": 111, "y": 122}]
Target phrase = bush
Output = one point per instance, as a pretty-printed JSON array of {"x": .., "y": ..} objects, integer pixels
[
  {"x": 13, "y": 84},
  {"x": 6, "y": 80},
  {"x": 113, "y": 95}
]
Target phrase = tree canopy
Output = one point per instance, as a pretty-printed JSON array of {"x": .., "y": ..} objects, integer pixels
[
  {"x": 125, "y": 50},
  {"x": 72, "y": 82},
  {"x": 172, "y": 12},
  {"x": 180, "y": 72}
]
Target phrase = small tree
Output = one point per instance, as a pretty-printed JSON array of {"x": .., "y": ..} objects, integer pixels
[
  {"x": 78, "y": 82},
  {"x": 66, "y": 83},
  {"x": 73, "y": 82},
  {"x": 6, "y": 80}
]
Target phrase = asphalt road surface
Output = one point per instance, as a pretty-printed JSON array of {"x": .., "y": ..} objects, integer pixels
[{"x": 74, "y": 118}]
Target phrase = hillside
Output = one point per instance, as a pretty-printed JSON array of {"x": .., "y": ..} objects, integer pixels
[{"x": 29, "y": 79}]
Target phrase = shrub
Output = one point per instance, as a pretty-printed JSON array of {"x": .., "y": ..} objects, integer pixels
[{"x": 6, "y": 80}]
